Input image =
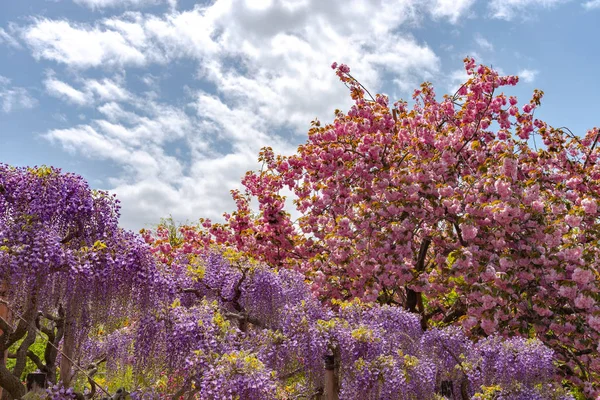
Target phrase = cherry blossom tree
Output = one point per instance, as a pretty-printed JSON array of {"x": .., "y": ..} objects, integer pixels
[{"x": 466, "y": 209}]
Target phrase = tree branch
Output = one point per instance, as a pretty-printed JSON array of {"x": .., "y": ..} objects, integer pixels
[
  {"x": 591, "y": 149},
  {"x": 7, "y": 329},
  {"x": 11, "y": 383},
  {"x": 456, "y": 311},
  {"x": 243, "y": 317},
  {"x": 21, "y": 360},
  {"x": 412, "y": 297},
  {"x": 36, "y": 360},
  {"x": 92, "y": 370},
  {"x": 459, "y": 234}
]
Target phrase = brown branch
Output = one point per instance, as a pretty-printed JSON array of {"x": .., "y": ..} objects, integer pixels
[
  {"x": 194, "y": 291},
  {"x": 92, "y": 370},
  {"x": 11, "y": 383},
  {"x": 412, "y": 297},
  {"x": 54, "y": 318},
  {"x": 476, "y": 128},
  {"x": 21, "y": 360},
  {"x": 456, "y": 311},
  {"x": 459, "y": 234},
  {"x": 591, "y": 150},
  {"x": 36, "y": 360},
  {"x": 463, "y": 386},
  {"x": 6, "y": 328},
  {"x": 16, "y": 335},
  {"x": 283, "y": 377},
  {"x": 51, "y": 350},
  {"x": 361, "y": 85},
  {"x": 583, "y": 352},
  {"x": 242, "y": 317},
  {"x": 68, "y": 237}
]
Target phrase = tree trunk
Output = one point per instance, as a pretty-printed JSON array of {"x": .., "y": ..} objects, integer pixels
[
  {"x": 414, "y": 300},
  {"x": 68, "y": 350},
  {"x": 54, "y": 339},
  {"x": 4, "y": 313},
  {"x": 14, "y": 389},
  {"x": 331, "y": 382}
]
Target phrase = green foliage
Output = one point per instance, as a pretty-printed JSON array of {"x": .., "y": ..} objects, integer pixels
[
  {"x": 37, "y": 348},
  {"x": 175, "y": 236}
]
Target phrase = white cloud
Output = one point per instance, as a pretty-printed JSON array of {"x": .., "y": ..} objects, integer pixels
[
  {"x": 107, "y": 90},
  {"x": 13, "y": 98},
  {"x": 85, "y": 139},
  {"x": 153, "y": 183},
  {"x": 81, "y": 46},
  {"x": 101, "y": 4},
  {"x": 6, "y": 38},
  {"x": 454, "y": 10},
  {"x": 63, "y": 90},
  {"x": 508, "y": 9},
  {"x": 456, "y": 79},
  {"x": 591, "y": 5},
  {"x": 483, "y": 43},
  {"x": 527, "y": 75},
  {"x": 92, "y": 90}
]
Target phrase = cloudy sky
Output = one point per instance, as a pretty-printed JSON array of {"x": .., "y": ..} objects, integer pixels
[{"x": 167, "y": 102}]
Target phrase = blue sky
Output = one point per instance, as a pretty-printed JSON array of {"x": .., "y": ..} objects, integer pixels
[{"x": 167, "y": 102}]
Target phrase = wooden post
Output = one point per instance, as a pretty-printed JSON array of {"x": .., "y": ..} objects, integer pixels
[
  {"x": 68, "y": 349},
  {"x": 446, "y": 390},
  {"x": 36, "y": 381},
  {"x": 331, "y": 384}
]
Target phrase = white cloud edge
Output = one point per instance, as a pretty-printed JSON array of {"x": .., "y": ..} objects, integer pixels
[
  {"x": 13, "y": 98},
  {"x": 591, "y": 5},
  {"x": 527, "y": 75},
  {"x": 509, "y": 9},
  {"x": 103, "y": 4}
]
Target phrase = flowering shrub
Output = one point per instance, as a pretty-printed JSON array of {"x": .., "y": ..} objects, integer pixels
[
  {"x": 65, "y": 265},
  {"x": 257, "y": 333}
]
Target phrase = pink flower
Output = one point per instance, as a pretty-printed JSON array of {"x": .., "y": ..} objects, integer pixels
[
  {"x": 527, "y": 108},
  {"x": 470, "y": 323},
  {"x": 584, "y": 302},
  {"x": 573, "y": 182},
  {"x": 582, "y": 276},
  {"x": 537, "y": 206},
  {"x": 489, "y": 326},
  {"x": 573, "y": 220},
  {"x": 568, "y": 291},
  {"x": 594, "y": 322},
  {"x": 503, "y": 188},
  {"x": 344, "y": 68},
  {"x": 469, "y": 64},
  {"x": 488, "y": 302},
  {"x": 334, "y": 65},
  {"x": 589, "y": 206},
  {"x": 544, "y": 312},
  {"x": 509, "y": 167},
  {"x": 468, "y": 231}
]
